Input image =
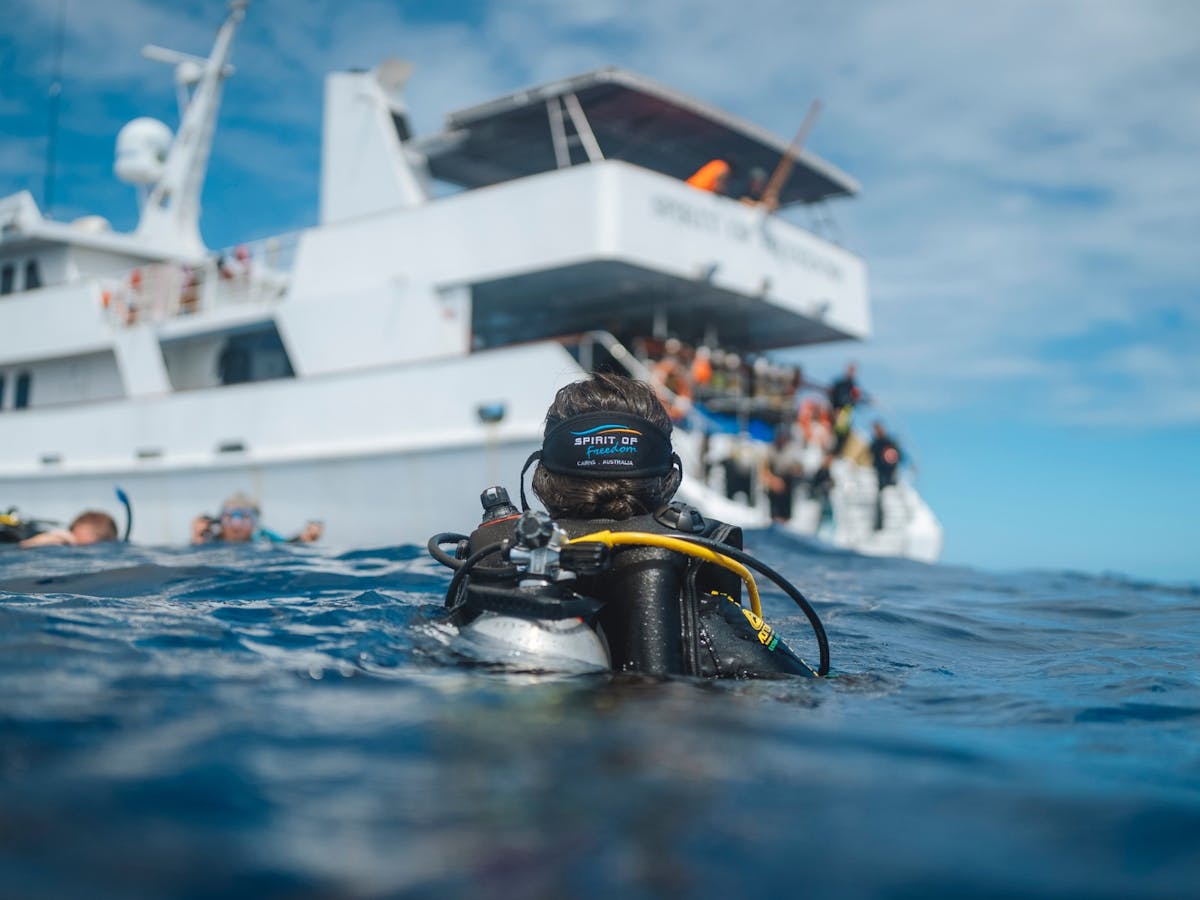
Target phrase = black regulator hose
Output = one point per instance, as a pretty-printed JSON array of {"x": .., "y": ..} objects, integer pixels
[
  {"x": 788, "y": 588},
  {"x": 435, "y": 548},
  {"x": 458, "y": 582},
  {"x": 533, "y": 603}
]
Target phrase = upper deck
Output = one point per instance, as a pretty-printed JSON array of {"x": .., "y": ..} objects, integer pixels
[
  {"x": 614, "y": 114},
  {"x": 607, "y": 246},
  {"x": 575, "y": 215}
]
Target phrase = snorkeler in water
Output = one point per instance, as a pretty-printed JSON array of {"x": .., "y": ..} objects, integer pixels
[
  {"x": 90, "y": 527},
  {"x": 239, "y": 522},
  {"x": 656, "y": 581}
]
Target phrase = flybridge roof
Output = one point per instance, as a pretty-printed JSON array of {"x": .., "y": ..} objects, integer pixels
[{"x": 632, "y": 119}]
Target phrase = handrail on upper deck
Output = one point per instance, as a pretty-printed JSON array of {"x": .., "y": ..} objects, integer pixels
[{"x": 255, "y": 272}]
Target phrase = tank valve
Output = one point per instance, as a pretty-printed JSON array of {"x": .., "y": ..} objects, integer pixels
[{"x": 496, "y": 504}]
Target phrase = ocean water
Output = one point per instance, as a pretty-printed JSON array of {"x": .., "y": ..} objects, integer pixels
[{"x": 279, "y": 722}]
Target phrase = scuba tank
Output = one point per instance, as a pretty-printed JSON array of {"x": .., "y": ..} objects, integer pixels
[
  {"x": 521, "y": 610},
  {"x": 660, "y": 593},
  {"x": 14, "y": 529}
]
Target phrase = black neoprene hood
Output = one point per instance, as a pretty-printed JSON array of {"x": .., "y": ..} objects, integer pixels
[{"x": 607, "y": 445}]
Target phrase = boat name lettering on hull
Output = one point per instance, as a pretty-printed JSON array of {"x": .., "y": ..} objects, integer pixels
[{"x": 712, "y": 222}]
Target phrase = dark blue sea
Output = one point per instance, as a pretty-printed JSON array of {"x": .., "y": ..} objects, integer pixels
[{"x": 278, "y": 722}]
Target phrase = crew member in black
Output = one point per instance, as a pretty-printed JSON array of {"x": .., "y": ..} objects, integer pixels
[
  {"x": 844, "y": 395},
  {"x": 820, "y": 487},
  {"x": 781, "y": 470},
  {"x": 886, "y": 456}
]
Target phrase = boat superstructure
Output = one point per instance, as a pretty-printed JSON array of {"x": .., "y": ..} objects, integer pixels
[{"x": 380, "y": 368}]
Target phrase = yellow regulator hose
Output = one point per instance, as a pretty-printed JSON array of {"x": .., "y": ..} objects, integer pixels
[{"x": 645, "y": 539}]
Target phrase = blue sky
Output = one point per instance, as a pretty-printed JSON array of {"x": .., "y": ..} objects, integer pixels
[{"x": 1030, "y": 212}]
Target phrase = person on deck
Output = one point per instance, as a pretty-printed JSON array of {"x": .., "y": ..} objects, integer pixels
[
  {"x": 886, "y": 457},
  {"x": 239, "y": 523},
  {"x": 844, "y": 395},
  {"x": 758, "y": 184},
  {"x": 91, "y": 527},
  {"x": 702, "y": 371},
  {"x": 781, "y": 470},
  {"x": 671, "y": 379},
  {"x": 712, "y": 176},
  {"x": 820, "y": 489}
]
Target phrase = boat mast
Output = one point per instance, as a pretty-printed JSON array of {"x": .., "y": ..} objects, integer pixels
[{"x": 171, "y": 215}]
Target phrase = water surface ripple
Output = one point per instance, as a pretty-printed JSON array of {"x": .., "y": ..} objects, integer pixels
[{"x": 280, "y": 722}]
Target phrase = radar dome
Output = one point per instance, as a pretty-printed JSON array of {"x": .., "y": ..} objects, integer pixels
[
  {"x": 142, "y": 147},
  {"x": 92, "y": 224}
]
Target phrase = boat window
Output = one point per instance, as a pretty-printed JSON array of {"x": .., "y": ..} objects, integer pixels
[
  {"x": 8, "y": 274},
  {"x": 33, "y": 275},
  {"x": 400, "y": 122},
  {"x": 2, "y": 391},
  {"x": 21, "y": 400},
  {"x": 254, "y": 356}
]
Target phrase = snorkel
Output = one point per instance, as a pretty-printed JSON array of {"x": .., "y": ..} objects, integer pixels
[{"x": 124, "y": 498}]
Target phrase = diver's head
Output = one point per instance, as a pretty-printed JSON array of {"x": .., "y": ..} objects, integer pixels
[
  {"x": 93, "y": 527},
  {"x": 606, "y": 453},
  {"x": 239, "y": 518}
]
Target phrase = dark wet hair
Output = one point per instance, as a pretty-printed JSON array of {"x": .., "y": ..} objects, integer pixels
[{"x": 571, "y": 497}]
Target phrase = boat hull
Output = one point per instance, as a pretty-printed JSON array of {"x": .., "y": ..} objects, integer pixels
[{"x": 382, "y": 456}]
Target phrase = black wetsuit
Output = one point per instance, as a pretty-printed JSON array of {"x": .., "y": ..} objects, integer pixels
[
  {"x": 820, "y": 486},
  {"x": 14, "y": 529},
  {"x": 886, "y": 463},
  {"x": 843, "y": 395},
  {"x": 843, "y": 392},
  {"x": 886, "y": 456}
]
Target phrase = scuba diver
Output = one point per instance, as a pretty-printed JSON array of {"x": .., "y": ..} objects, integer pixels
[
  {"x": 613, "y": 575},
  {"x": 239, "y": 523},
  {"x": 15, "y": 528},
  {"x": 89, "y": 527}
]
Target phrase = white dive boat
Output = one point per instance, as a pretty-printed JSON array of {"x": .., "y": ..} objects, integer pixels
[{"x": 381, "y": 368}]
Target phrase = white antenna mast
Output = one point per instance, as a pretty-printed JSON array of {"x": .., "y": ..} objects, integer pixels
[{"x": 171, "y": 214}]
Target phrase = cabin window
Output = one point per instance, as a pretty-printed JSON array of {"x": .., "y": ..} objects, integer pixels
[
  {"x": 8, "y": 274},
  {"x": 33, "y": 275},
  {"x": 400, "y": 122},
  {"x": 254, "y": 356},
  {"x": 2, "y": 381},
  {"x": 21, "y": 400}
]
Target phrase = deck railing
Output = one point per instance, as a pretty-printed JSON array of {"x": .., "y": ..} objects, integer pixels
[{"x": 252, "y": 273}]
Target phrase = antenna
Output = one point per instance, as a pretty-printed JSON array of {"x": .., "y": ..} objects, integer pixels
[
  {"x": 189, "y": 70},
  {"x": 171, "y": 213},
  {"x": 770, "y": 196},
  {"x": 52, "y": 111}
]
